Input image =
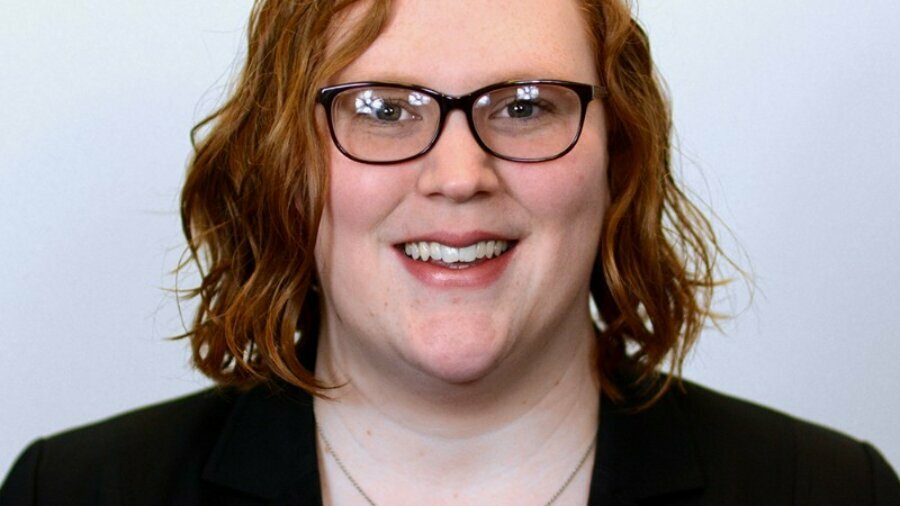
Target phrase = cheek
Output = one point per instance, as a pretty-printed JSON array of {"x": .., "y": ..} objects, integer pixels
[
  {"x": 349, "y": 246},
  {"x": 359, "y": 196},
  {"x": 346, "y": 209},
  {"x": 572, "y": 193},
  {"x": 357, "y": 202}
]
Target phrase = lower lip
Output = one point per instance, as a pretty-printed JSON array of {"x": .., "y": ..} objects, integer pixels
[{"x": 475, "y": 276}]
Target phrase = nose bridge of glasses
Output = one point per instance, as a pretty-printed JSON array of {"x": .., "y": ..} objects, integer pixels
[
  {"x": 450, "y": 103},
  {"x": 464, "y": 104}
]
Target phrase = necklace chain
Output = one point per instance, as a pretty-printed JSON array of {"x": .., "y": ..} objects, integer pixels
[
  {"x": 369, "y": 500},
  {"x": 343, "y": 468}
]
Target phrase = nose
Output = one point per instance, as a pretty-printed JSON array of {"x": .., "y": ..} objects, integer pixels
[{"x": 457, "y": 168}]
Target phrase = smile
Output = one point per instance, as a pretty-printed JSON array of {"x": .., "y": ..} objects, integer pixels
[{"x": 437, "y": 252}]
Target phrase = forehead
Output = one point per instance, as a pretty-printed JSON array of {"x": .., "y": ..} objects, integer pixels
[{"x": 458, "y": 45}]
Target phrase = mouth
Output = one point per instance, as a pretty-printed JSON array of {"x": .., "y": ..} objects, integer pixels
[{"x": 456, "y": 257}]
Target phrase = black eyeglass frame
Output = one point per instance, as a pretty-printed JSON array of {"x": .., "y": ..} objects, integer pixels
[{"x": 447, "y": 103}]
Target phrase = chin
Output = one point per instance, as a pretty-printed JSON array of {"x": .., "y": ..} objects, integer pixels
[
  {"x": 454, "y": 371},
  {"x": 455, "y": 355}
]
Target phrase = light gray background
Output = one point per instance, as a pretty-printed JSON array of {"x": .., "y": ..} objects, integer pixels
[{"x": 787, "y": 114}]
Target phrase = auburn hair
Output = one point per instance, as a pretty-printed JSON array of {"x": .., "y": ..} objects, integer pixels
[{"x": 256, "y": 188}]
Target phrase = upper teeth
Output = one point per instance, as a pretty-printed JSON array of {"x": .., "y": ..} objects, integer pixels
[{"x": 448, "y": 254}]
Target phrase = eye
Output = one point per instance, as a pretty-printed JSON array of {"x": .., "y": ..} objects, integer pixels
[
  {"x": 519, "y": 109},
  {"x": 527, "y": 103},
  {"x": 391, "y": 112},
  {"x": 522, "y": 109},
  {"x": 381, "y": 108}
]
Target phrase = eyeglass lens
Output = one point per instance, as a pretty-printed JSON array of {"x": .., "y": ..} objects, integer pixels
[{"x": 525, "y": 122}]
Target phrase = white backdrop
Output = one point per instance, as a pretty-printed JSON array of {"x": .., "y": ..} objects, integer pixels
[{"x": 789, "y": 123}]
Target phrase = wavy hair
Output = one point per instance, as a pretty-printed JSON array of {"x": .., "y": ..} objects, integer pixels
[{"x": 255, "y": 191}]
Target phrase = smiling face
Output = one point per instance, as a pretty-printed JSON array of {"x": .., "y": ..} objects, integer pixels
[{"x": 533, "y": 228}]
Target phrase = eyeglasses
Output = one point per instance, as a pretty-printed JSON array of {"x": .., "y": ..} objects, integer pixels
[{"x": 520, "y": 121}]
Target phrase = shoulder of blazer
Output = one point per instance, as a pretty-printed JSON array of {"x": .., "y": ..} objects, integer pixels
[
  {"x": 752, "y": 454},
  {"x": 141, "y": 448}
]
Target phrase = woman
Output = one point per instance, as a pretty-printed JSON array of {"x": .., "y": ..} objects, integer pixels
[{"x": 396, "y": 285}]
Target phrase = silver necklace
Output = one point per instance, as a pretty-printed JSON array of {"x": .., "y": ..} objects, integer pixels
[{"x": 369, "y": 500}]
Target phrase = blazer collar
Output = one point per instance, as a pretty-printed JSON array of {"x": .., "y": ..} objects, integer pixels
[
  {"x": 267, "y": 449},
  {"x": 650, "y": 453}
]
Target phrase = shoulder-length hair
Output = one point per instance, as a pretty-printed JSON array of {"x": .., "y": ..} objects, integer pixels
[{"x": 255, "y": 191}]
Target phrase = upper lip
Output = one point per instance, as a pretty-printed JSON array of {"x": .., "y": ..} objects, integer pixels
[{"x": 457, "y": 239}]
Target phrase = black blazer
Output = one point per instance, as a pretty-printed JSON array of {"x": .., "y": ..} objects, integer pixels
[{"x": 221, "y": 447}]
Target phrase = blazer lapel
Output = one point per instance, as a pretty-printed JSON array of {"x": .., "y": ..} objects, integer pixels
[
  {"x": 267, "y": 450},
  {"x": 646, "y": 454}
]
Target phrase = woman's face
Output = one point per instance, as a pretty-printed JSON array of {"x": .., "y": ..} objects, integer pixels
[{"x": 460, "y": 322}]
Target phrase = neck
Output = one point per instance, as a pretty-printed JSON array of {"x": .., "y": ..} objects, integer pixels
[{"x": 533, "y": 414}]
